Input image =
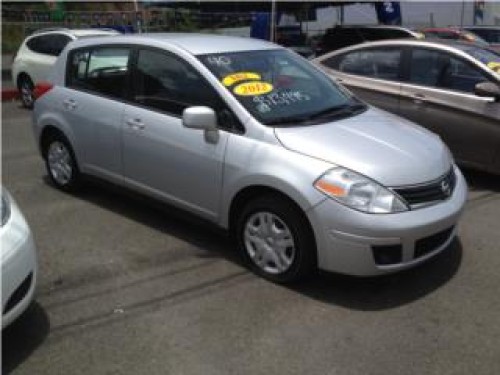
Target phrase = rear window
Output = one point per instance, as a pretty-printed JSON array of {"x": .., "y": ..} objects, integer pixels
[{"x": 51, "y": 44}]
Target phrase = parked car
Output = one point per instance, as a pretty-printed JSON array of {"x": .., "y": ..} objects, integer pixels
[
  {"x": 291, "y": 36},
  {"x": 255, "y": 139},
  {"x": 454, "y": 33},
  {"x": 450, "y": 88},
  {"x": 343, "y": 36},
  {"x": 490, "y": 34},
  {"x": 38, "y": 53},
  {"x": 19, "y": 264}
]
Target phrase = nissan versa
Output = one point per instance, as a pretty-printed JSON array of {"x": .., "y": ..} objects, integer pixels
[{"x": 254, "y": 138}]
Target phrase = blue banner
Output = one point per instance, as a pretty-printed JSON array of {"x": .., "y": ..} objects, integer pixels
[{"x": 388, "y": 12}]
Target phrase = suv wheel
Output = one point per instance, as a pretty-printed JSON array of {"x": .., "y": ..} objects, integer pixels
[
  {"x": 26, "y": 93},
  {"x": 275, "y": 239},
  {"x": 61, "y": 163}
]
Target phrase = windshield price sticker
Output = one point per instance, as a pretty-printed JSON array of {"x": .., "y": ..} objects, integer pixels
[
  {"x": 495, "y": 66},
  {"x": 238, "y": 77},
  {"x": 253, "y": 88}
]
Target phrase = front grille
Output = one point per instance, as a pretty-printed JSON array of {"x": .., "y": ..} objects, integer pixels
[
  {"x": 421, "y": 195},
  {"x": 431, "y": 243},
  {"x": 18, "y": 294}
]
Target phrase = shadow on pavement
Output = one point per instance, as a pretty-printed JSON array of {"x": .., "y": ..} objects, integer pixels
[
  {"x": 478, "y": 180},
  {"x": 159, "y": 216},
  {"x": 389, "y": 291},
  {"x": 23, "y": 337}
]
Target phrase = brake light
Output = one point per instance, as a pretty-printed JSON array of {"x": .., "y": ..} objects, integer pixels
[{"x": 42, "y": 88}]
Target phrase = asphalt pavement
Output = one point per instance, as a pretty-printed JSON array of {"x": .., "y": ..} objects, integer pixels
[{"x": 129, "y": 286}]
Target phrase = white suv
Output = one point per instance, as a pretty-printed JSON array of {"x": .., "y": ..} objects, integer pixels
[{"x": 38, "y": 53}]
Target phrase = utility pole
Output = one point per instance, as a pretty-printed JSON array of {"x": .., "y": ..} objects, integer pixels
[{"x": 273, "y": 20}]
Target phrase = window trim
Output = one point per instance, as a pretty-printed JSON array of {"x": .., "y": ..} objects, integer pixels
[{"x": 239, "y": 129}]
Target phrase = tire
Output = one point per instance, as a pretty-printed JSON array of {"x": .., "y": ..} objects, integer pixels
[
  {"x": 61, "y": 164},
  {"x": 26, "y": 87},
  {"x": 275, "y": 239}
]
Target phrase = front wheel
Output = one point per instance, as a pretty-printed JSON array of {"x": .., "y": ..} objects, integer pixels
[
  {"x": 276, "y": 240},
  {"x": 61, "y": 163}
]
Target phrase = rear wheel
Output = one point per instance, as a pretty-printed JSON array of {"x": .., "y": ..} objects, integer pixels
[
  {"x": 26, "y": 88},
  {"x": 275, "y": 239},
  {"x": 61, "y": 163}
]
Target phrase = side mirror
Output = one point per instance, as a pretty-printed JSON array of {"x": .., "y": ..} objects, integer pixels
[
  {"x": 487, "y": 90},
  {"x": 203, "y": 118}
]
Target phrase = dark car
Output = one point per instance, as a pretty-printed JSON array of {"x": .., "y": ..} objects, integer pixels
[
  {"x": 345, "y": 36},
  {"x": 454, "y": 33},
  {"x": 292, "y": 37},
  {"x": 491, "y": 34}
]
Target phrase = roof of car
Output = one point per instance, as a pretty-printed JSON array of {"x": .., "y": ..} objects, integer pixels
[
  {"x": 423, "y": 42},
  {"x": 76, "y": 32},
  {"x": 196, "y": 44}
]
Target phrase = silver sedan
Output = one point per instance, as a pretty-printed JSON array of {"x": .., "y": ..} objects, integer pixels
[{"x": 451, "y": 88}]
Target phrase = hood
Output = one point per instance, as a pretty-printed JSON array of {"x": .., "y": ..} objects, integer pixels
[{"x": 379, "y": 145}]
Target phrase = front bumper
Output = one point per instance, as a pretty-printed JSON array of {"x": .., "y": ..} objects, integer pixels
[
  {"x": 19, "y": 266},
  {"x": 348, "y": 241}
]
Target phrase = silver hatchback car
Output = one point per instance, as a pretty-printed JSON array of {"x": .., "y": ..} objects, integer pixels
[{"x": 255, "y": 139}]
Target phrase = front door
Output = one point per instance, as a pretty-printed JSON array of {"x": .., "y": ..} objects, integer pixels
[
  {"x": 160, "y": 155},
  {"x": 440, "y": 96}
]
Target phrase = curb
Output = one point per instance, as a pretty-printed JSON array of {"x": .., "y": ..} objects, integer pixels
[{"x": 9, "y": 94}]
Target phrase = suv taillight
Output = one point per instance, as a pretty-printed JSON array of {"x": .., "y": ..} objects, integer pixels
[{"x": 42, "y": 88}]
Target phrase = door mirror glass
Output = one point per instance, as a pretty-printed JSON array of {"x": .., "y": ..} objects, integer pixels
[
  {"x": 488, "y": 90},
  {"x": 199, "y": 118}
]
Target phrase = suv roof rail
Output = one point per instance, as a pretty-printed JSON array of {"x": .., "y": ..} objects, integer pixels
[{"x": 49, "y": 29}]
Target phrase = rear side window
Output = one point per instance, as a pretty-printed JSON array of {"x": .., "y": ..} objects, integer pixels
[
  {"x": 102, "y": 70},
  {"x": 51, "y": 44},
  {"x": 375, "y": 63},
  {"x": 427, "y": 67},
  {"x": 169, "y": 84}
]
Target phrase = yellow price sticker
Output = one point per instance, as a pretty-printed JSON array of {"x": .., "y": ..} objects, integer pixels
[
  {"x": 238, "y": 77},
  {"x": 495, "y": 66},
  {"x": 253, "y": 88}
]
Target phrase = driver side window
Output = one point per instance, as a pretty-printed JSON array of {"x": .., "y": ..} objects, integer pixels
[{"x": 166, "y": 83}]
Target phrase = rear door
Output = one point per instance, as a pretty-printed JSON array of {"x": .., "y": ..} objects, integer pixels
[
  {"x": 439, "y": 94},
  {"x": 371, "y": 73},
  {"x": 97, "y": 80},
  {"x": 160, "y": 155}
]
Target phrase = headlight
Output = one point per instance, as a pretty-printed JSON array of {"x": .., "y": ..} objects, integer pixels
[
  {"x": 5, "y": 208},
  {"x": 358, "y": 192}
]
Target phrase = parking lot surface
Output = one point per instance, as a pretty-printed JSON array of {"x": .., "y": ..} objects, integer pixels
[{"x": 130, "y": 286}]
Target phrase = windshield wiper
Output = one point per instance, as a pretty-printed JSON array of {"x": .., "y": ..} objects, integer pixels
[
  {"x": 330, "y": 113},
  {"x": 339, "y": 111}
]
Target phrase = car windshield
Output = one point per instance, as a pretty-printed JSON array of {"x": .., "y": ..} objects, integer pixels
[{"x": 279, "y": 88}]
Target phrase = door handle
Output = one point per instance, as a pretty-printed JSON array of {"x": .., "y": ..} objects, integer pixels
[
  {"x": 135, "y": 124},
  {"x": 69, "y": 104},
  {"x": 419, "y": 99}
]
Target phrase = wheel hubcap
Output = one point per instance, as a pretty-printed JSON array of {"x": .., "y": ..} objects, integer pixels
[
  {"x": 27, "y": 93},
  {"x": 269, "y": 242},
  {"x": 59, "y": 160}
]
